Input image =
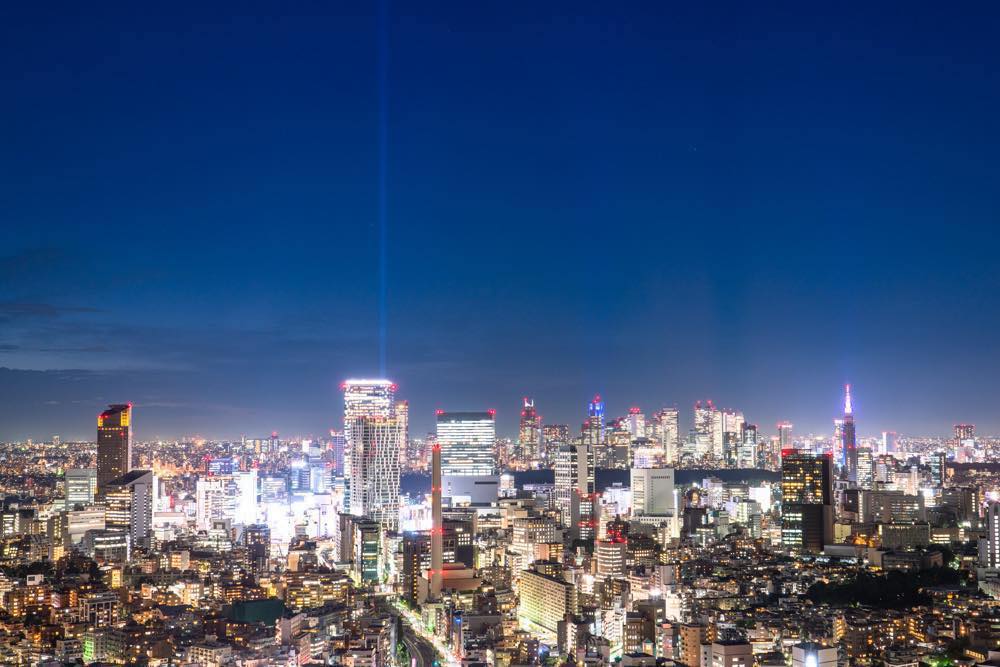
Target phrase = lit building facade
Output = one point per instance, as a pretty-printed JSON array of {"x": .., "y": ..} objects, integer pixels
[
  {"x": 80, "y": 487},
  {"x": 468, "y": 441},
  {"x": 575, "y": 495},
  {"x": 375, "y": 469},
  {"x": 529, "y": 436},
  {"x": 850, "y": 442},
  {"x": 129, "y": 506},
  {"x": 807, "y": 501},
  {"x": 114, "y": 443}
]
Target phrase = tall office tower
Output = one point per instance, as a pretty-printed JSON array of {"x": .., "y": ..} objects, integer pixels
[
  {"x": 666, "y": 429},
  {"x": 748, "y": 454},
  {"x": 363, "y": 398},
  {"x": 529, "y": 435},
  {"x": 467, "y": 441},
  {"x": 708, "y": 429},
  {"x": 635, "y": 423},
  {"x": 374, "y": 469},
  {"x": 575, "y": 496},
  {"x": 114, "y": 443},
  {"x": 806, "y": 501},
  {"x": 593, "y": 428},
  {"x": 368, "y": 398},
  {"x": 785, "y": 435},
  {"x": 889, "y": 442},
  {"x": 554, "y": 436},
  {"x": 731, "y": 423},
  {"x": 653, "y": 491},
  {"x": 965, "y": 432},
  {"x": 437, "y": 525},
  {"x": 866, "y": 468},
  {"x": 938, "y": 465},
  {"x": 850, "y": 446},
  {"x": 129, "y": 505},
  {"x": 257, "y": 540},
  {"x": 989, "y": 551},
  {"x": 80, "y": 487}
]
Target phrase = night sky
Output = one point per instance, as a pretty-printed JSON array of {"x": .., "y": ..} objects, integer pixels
[{"x": 658, "y": 202}]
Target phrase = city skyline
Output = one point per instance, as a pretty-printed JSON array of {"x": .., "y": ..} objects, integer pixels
[
  {"x": 450, "y": 334},
  {"x": 687, "y": 421}
]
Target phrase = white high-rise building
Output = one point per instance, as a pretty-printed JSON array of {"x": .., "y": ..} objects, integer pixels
[
  {"x": 653, "y": 491},
  {"x": 80, "y": 487},
  {"x": 215, "y": 500},
  {"x": 129, "y": 505},
  {"x": 467, "y": 440},
  {"x": 990, "y": 553},
  {"x": 367, "y": 398},
  {"x": 666, "y": 429},
  {"x": 574, "y": 489},
  {"x": 708, "y": 429},
  {"x": 374, "y": 469}
]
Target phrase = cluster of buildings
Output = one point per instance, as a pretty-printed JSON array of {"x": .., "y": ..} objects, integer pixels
[{"x": 637, "y": 546}]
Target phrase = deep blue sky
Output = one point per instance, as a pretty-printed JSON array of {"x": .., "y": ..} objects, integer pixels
[{"x": 660, "y": 202}]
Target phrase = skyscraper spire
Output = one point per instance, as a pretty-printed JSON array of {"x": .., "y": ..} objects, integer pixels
[{"x": 847, "y": 400}]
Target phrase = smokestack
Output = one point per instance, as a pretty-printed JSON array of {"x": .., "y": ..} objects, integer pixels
[{"x": 437, "y": 529}]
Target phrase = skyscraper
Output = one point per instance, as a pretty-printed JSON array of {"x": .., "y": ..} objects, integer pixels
[
  {"x": 114, "y": 443},
  {"x": 80, "y": 487},
  {"x": 368, "y": 398},
  {"x": 554, "y": 436},
  {"x": 938, "y": 464},
  {"x": 529, "y": 435},
  {"x": 635, "y": 423},
  {"x": 403, "y": 417},
  {"x": 730, "y": 426},
  {"x": 806, "y": 501},
  {"x": 653, "y": 491},
  {"x": 364, "y": 398},
  {"x": 866, "y": 467},
  {"x": 467, "y": 441},
  {"x": 667, "y": 430},
  {"x": 593, "y": 428},
  {"x": 708, "y": 430},
  {"x": 785, "y": 435},
  {"x": 990, "y": 552},
  {"x": 129, "y": 505},
  {"x": 575, "y": 495},
  {"x": 748, "y": 457},
  {"x": 850, "y": 446},
  {"x": 375, "y": 469}
]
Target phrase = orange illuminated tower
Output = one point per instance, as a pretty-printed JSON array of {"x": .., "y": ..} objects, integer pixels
[
  {"x": 437, "y": 524},
  {"x": 114, "y": 444}
]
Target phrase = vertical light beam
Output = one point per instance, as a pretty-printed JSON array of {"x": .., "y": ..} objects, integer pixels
[{"x": 382, "y": 64}]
